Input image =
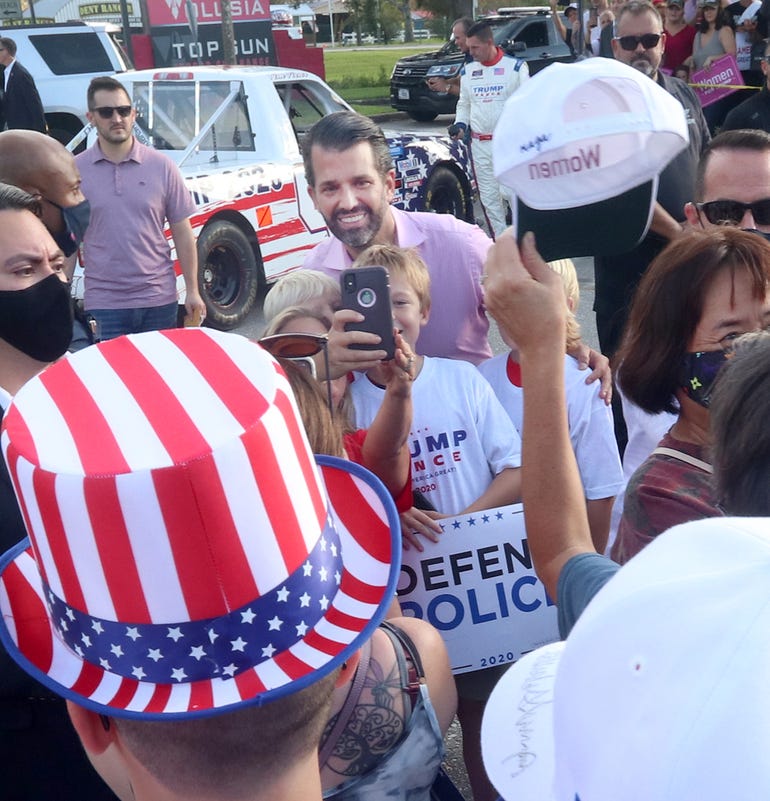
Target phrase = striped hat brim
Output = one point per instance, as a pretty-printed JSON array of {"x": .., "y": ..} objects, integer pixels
[{"x": 369, "y": 534}]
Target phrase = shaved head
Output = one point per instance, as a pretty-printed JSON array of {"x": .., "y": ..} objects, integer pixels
[{"x": 29, "y": 159}]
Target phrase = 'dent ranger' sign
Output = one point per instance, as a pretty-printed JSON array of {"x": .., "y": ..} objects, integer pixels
[{"x": 477, "y": 586}]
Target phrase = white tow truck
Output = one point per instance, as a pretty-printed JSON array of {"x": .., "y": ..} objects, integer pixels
[{"x": 236, "y": 133}]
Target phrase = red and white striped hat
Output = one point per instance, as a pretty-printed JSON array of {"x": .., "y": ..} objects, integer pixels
[{"x": 187, "y": 554}]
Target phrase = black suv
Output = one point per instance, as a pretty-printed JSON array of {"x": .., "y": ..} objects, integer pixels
[{"x": 530, "y": 34}]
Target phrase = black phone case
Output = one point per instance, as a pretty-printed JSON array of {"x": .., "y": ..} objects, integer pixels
[{"x": 367, "y": 291}]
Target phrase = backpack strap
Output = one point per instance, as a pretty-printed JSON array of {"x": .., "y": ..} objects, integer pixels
[{"x": 685, "y": 457}]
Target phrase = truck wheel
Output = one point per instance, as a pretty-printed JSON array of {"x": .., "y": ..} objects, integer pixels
[
  {"x": 423, "y": 116},
  {"x": 228, "y": 276},
  {"x": 444, "y": 194}
]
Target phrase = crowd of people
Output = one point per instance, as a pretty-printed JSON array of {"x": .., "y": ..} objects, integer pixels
[{"x": 205, "y": 607}]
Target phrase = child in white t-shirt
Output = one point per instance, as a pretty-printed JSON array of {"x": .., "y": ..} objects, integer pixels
[
  {"x": 465, "y": 452},
  {"x": 590, "y": 420}
]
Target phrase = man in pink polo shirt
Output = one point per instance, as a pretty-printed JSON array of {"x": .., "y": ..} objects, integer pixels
[
  {"x": 351, "y": 181},
  {"x": 130, "y": 283}
]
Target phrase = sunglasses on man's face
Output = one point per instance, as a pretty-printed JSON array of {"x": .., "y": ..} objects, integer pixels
[
  {"x": 647, "y": 40},
  {"x": 731, "y": 212},
  {"x": 106, "y": 112},
  {"x": 300, "y": 346}
]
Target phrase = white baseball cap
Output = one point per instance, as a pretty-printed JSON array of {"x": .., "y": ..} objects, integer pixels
[
  {"x": 581, "y": 147},
  {"x": 660, "y": 692}
]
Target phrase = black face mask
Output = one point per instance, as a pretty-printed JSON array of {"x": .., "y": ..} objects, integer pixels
[
  {"x": 700, "y": 371},
  {"x": 76, "y": 219},
  {"x": 38, "y": 320}
]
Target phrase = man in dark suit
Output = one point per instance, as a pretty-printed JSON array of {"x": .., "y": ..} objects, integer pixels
[{"x": 21, "y": 104}]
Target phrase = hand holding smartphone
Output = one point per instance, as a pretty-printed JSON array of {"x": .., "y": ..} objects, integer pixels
[{"x": 366, "y": 290}]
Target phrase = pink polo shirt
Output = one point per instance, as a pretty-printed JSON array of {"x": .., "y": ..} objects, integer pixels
[
  {"x": 455, "y": 253},
  {"x": 127, "y": 258}
]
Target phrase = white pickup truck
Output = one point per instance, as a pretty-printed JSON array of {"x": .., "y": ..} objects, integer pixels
[
  {"x": 236, "y": 133},
  {"x": 63, "y": 58}
]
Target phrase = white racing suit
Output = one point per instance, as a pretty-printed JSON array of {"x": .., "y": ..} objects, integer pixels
[{"x": 484, "y": 88}]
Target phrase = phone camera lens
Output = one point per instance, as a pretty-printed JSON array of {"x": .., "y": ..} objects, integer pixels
[{"x": 367, "y": 297}]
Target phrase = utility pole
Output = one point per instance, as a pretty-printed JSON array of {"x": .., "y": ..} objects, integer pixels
[{"x": 228, "y": 34}]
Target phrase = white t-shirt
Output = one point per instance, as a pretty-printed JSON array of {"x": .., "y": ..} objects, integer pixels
[
  {"x": 590, "y": 423},
  {"x": 461, "y": 437}
]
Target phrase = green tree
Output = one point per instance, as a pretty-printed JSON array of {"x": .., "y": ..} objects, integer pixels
[{"x": 453, "y": 9}]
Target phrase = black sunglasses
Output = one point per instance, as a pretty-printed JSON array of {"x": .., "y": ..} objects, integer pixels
[
  {"x": 731, "y": 212},
  {"x": 106, "y": 112},
  {"x": 301, "y": 346},
  {"x": 647, "y": 40}
]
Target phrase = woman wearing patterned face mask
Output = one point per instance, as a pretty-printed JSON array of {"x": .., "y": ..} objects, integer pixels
[{"x": 696, "y": 298}]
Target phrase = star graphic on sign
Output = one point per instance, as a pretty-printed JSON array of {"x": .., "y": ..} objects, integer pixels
[
  {"x": 63, "y": 625},
  {"x": 51, "y": 597},
  {"x": 471, "y": 521},
  {"x": 695, "y": 383},
  {"x": 301, "y": 628},
  {"x": 456, "y": 525},
  {"x": 268, "y": 651},
  {"x": 197, "y": 652},
  {"x": 79, "y": 651},
  {"x": 324, "y": 602},
  {"x": 133, "y": 633},
  {"x": 138, "y": 672},
  {"x": 247, "y": 616},
  {"x": 308, "y": 568},
  {"x": 282, "y": 595},
  {"x": 175, "y": 634},
  {"x": 337, "y": 576},
  {"x": 499, "y": 515},
  {"x": 238, "y": 645},
  {"x": 70, "y": 614},
  {"x": 324, "y": 574},
  {"x": 178, "y": 674},
  {"x": 275, "y": 624},
  {"x": 212, "y": 636},
  {"x": 104, "y": 663},
  {"x": 97, "y": 627},
  {"x": 116, "y": 649},
  {"x": 443, "y": 526},
  {"x": 154, "y": 654},
  {"x": 334, "y": 550},
  {"x": 86, "y": 640},
  {"x": 323, "y": 543},
  {"x": 485, "y": 518},
  {"x": 229, "y": 670},
  {"x": 304, "y": 599}
]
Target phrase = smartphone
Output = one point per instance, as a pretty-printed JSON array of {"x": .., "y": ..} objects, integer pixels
[{"x": 367, "y": 291}]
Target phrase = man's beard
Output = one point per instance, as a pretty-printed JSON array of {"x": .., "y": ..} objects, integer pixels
[
  {"x": 644, "y": 65},
  {"x": 363, "y": 235}
]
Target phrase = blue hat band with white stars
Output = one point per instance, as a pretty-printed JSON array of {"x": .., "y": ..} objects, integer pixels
[{"x": 220, "y": 647}]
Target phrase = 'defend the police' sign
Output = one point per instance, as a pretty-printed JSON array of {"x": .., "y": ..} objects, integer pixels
[{"x": 477, "y": 586}]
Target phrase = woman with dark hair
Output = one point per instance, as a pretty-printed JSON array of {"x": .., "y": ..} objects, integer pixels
[{"x": 699, "y": 295}]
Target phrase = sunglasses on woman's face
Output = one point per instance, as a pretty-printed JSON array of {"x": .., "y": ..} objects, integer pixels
[{"x": 301, "y": 347}]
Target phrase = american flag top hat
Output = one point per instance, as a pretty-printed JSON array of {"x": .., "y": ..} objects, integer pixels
[{"x": 187, "y": 554}]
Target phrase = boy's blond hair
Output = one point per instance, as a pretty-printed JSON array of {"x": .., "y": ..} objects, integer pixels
[
  {"x": 301, "y": 288},
  {"x": 281, "y": 323},
  {"x": 565, "y": 269},
  {"x": 400, "y": 261}
]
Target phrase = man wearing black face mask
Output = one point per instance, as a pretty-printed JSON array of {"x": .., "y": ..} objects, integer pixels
[
  {"x": 40, "y": 757},
  {"x": 43, "y": 167}
]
